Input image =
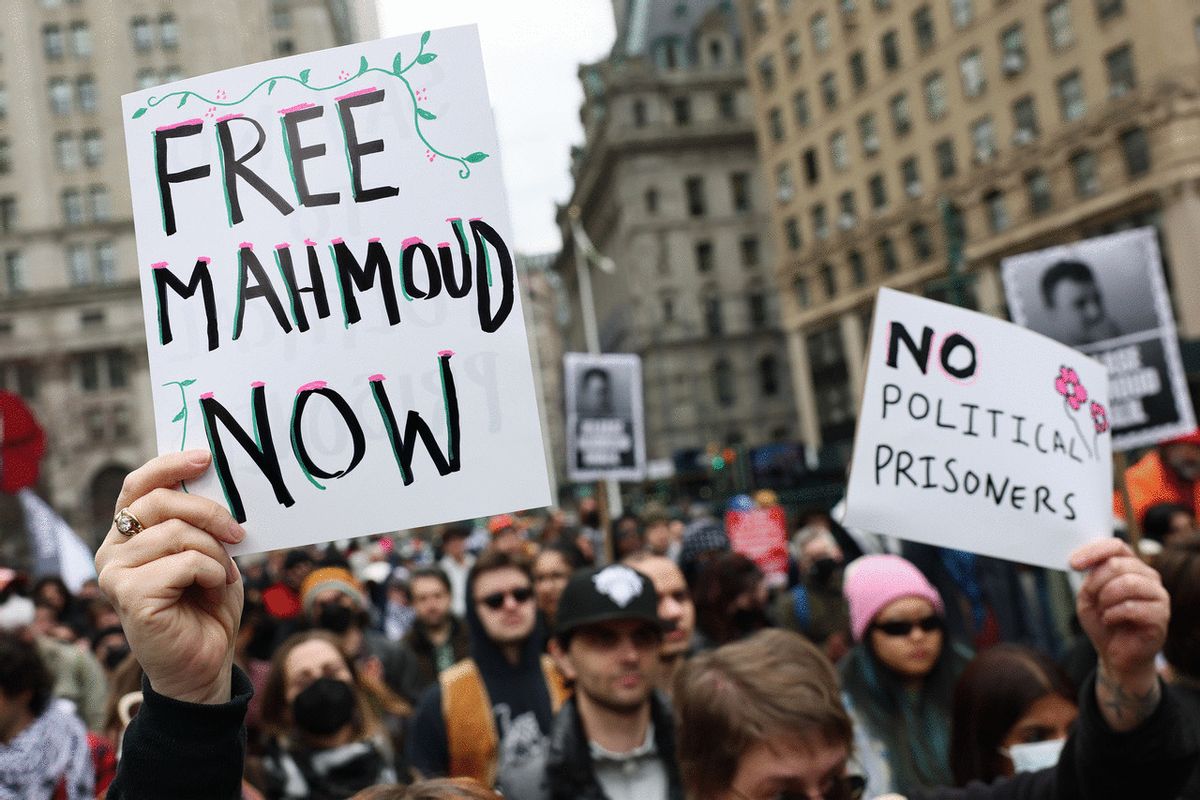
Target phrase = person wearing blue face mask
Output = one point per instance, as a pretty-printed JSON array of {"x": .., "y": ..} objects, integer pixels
[{"x": 1013, "y": 709}]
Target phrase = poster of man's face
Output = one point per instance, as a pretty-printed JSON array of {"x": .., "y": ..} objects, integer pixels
[
  {"x": 605, "y": 433},
  {"x": 595, "y": 393}
]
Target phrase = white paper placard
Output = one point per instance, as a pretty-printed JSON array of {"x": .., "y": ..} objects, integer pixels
[
  {"x": 979, "y": 435},
  {"x": 330, "y": 292},
  {"x": 606, "y": 427}
]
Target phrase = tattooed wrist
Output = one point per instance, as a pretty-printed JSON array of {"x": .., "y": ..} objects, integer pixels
[{"x": 1127, "y": 703}]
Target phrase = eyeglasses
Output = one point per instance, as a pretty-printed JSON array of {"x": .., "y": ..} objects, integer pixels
[
  {"x": 495, "y": 600},
  {"x": 904, "y": 627},
  {"x": 845, "y": 787}
]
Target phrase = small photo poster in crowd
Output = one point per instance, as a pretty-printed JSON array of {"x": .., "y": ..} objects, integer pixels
[
  {"x": 329, "y": 290},
  {"x": 1107, "y": 297},
  {"x": 761, "y": 535},
  {"x": 979, "y": 435},
  {"x": 606, "y": 436}
]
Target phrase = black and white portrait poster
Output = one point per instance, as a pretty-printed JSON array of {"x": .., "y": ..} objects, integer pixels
[
  {"x": 605, "y": 424},
  {"x": 1107, "y": 297}
]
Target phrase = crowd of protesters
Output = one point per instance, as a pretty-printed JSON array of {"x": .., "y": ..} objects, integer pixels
[{"x": 519, "y": 655}]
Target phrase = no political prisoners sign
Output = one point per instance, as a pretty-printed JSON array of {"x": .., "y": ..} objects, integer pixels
[
  {"x": 329, "y": 290},
  {"x": 980, "y": 435}
]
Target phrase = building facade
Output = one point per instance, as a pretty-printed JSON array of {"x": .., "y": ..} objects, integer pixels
[
  {"x": 546, "y": 315},
  {"x": 666, "y": 184},
  {"x": 899, "y": 136},
  {"x": 72, "y": 340}
]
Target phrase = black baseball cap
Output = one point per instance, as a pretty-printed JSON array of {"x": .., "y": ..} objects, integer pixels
[{"x": 615, "y": 592}]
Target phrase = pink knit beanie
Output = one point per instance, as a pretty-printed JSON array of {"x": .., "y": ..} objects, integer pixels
[{"x": 872, "y": 582}]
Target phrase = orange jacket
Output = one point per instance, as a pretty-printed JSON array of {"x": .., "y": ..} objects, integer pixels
[{"x": 1150, "y": 482}]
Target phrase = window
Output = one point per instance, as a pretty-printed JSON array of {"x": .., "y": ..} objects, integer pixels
[
  {"x": 791, "y": 234},
  {"x": 693, "y": 187},
  {"x": 883, "y": 5},
  {"x": 890, "y": 48},
  {"x": 800, "y": 287},
  {"x": 681, "y": 109},
  {"x": 768, "y": 375},
  {"x": 81, "y": 39},
  {"x": 101, "y": 207},
  {"x": 1058, "y": 25},
  {"x": 705, "y": 260},
  {"x": 79, "y": 265},
  {"x": 66, "y": 151},
  {"x": 1012, "y": 45},
  {"x": 1071, "y": 101},
  {"x": 877, "y": 188},
  {"x": 3, "y": 102},
  {"x": 785, "y": 7},
  {"x": 1037, "y": 187},
  {"x": 143, "y": 36},
  {"x": 53, "y": 45},
  {"x": 819, "y": 27},
  {"x": 785, "y": 187},
  {"x": 713, "y": 323},
  {"x": 983, "y": 138},
  {"x": 716, "y": 52},
  {"x": 60, "y": 96},
  {"x": 72, "y": 207},
  {"x": 5, "y": 156},
  {"x": 117, "y": 362},
  {"x": 901, "y": 114},
  {"x": 922, "y": 20},
  {"x": 947, "y": 161},
  {"x": 847, "y": 211},
  {"x": 858, "y": 70},
  {"x": 1135, "y": 147},
  {"x": 868, "y": 134},
  {"x": 1109, "y": 8},
  {"x": 997, "y": 212},
  {"x": 93, "y": 148},
  {"x": 172, "y": 74},
  {"x": 775, "y": 124},
  {"x": 820, "y": 221},
  {"x": 8, "y": 213},
  {"x": 281, "y": 14},
  {"x": 748, "y": 247},
  {"x": 668, "y": 309},
  {"x": 1083, "y": 169},
  {"x": 935, "y": 96},
  {"x": 1119, "y": 65},
  {"x": 828, "y": 279},
  {"x": 85, "y": 87},
  {"x": 766, "y": 73},
  {"x": 168, "y": 31},
  {"x": 792, "y": 52},
  {"x": 910, "y": 175},
  {"x": 146, "y": 78},
  {"x": 756, "y": 309},
  {"x": 922, "y": 241},
  {"x": 858, "y": 268},
  {"x": 668, "y": 54},
  {"x": 812, "y": 166},
  {"x": 723, "y": 384},
  {"x": 1025, "y": 124},
  {"x": 14, "y": 271},
  {"x": 106, "y": 262},
  {"x": 800, "y": 109},
  {"x": 829, "y": 93},
  {"x": 974, "y": 81},
  {"x": 887, "y": 255},
  {"x": 651, "y": 198},
  {"x": 847, "y": 6},
  {"x": 639, "y": 113},
  {"x": 839, "y": 151},
  {"x": 727, "y": 105},
  {"x": 962, "y": 12},
  {"x": 739, "y": 187}
]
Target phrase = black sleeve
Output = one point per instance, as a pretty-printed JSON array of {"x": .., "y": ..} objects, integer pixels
[
  {"x": 428, "y": 752},
  {"x": 185, "y": 751},
  {"x": 1151, "y": 762}
]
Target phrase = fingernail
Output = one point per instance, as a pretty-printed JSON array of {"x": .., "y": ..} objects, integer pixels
[
  {"x": 198, "y": 458},
  {"x": 236, "y": 531}
]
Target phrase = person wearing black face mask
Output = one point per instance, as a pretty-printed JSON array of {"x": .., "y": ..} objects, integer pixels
[
  {"x": 815, "y": 607},
  {"x": 324, "y": 740},
  {"x": 110, "y": 648}
]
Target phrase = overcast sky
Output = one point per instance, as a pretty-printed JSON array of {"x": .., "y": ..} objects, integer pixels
[{"x": 531, "y": 50}]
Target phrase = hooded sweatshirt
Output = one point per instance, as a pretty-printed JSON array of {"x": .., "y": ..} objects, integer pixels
[{"x": 521, "y": 708}]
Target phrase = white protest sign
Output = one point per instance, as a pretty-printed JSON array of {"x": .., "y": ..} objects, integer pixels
[
  {"x": 979, "y": 435},
  {"x": 329, "y": 290}
]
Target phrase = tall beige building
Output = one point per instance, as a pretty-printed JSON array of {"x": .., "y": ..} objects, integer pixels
[
  {"x": 71, "y": 335},
  {"x": 885, "y": 125},
  {"x": 667, "y": 185}
]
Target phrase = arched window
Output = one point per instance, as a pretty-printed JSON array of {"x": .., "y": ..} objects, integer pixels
[{"x": 723, "y": 385}]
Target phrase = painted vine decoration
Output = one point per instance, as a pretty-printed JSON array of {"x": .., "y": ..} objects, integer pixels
[
  {"x": 399, "y": 70},
  {"x": 182, "y": 416}
]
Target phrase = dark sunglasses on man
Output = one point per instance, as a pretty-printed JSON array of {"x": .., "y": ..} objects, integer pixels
[
  {"x": 495, "y": 600},
  {"x": 845, "y": 787}
]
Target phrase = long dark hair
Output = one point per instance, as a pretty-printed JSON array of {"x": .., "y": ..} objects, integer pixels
[
  {"x": 995, "y": 691},
  {"x": 720, "y": 584}
]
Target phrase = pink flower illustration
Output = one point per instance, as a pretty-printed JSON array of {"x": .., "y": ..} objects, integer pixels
[
  {"x": 1099, "y": 417},
  {"x": 1070, "y": 388}
]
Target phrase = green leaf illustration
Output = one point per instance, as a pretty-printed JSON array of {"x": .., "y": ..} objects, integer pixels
[
  {"x": 139, "y": 112},
  {"x": 271, "y": 86},
  {"x": 425, "y": 58},
  {"x": 425, "y": 38},
  {"x": 475, "y": 157},
  {"x": 182, "y": 100},
  {"x": 398, "y": 63},
  {"x": 304, "y": 76},
  {"x": 182, "y": 413},
  {"x": 425, "y": 114},
  {"x": 363, "y": 66},
  {"x": 188, "y": 382}
]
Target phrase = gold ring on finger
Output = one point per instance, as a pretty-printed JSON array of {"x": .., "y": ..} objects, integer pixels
[{"x": 127, "y": 524}]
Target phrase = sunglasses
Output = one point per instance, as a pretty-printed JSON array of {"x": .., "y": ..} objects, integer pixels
[
  {"x": 495, "y": 600},
  {"x": 847, "y": 787},
  {"x": 904, "y": 627}
]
